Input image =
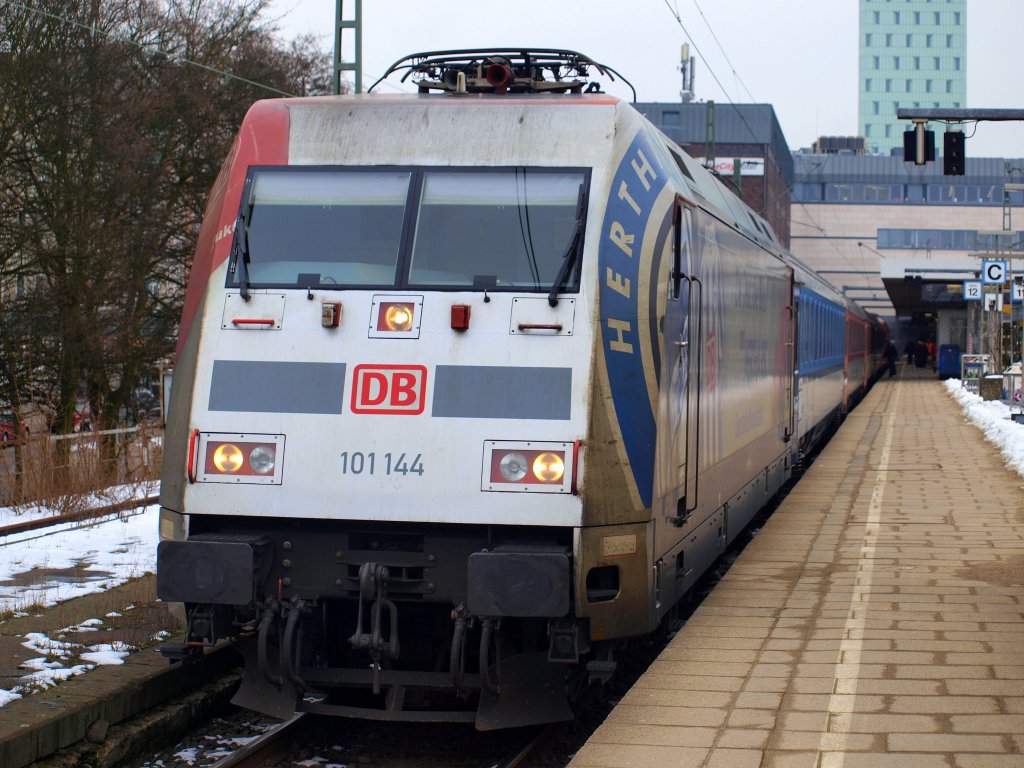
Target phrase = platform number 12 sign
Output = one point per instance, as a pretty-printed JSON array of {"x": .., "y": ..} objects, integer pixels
[
  {"x": 1018, "y": 293},
  {"x": 972, "y": 290}
]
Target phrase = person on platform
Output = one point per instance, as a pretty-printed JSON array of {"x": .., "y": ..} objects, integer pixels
[
  {"x": 891, "y": 353},
  {"x": 920, "y": 354},
  {"x": 908, "y": 350}
]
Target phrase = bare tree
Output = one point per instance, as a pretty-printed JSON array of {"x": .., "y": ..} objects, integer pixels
[{"x": 115, "y": 116}]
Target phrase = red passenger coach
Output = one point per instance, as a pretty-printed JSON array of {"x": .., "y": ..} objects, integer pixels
[{"x": 856, "y": 365}]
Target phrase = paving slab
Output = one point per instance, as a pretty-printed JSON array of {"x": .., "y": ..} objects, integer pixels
[{"x": 877, "y": 620}]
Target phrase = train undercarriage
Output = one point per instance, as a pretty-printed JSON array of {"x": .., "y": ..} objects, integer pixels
[{"x": 436, "y": 623}]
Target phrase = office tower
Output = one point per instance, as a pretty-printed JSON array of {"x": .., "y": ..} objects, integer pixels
[{"x": 912, "y": 54}]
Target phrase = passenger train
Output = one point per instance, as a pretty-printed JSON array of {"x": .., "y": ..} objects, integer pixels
[{"x": 472, "y": 385}]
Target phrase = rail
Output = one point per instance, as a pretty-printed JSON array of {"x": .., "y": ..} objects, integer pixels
[
  {"x": 259, "y": 752},
  {"x": 72, "y": 517}
]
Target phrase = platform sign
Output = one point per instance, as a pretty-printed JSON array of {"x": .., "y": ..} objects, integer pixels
[
  {"x": 1018, "y": 293},
  {"x": 993, "y": 272},
  {"x": 972, "y": 290}
]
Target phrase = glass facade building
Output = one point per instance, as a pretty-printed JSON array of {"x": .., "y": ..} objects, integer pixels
[{"x": 912, "y": 54}]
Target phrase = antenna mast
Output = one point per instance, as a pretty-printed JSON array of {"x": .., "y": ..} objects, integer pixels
[{"x": 686, "y": 66}]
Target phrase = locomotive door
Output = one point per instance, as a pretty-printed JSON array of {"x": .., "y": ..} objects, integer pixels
[
  {"x": 789, "y": 347},
  {"x": 680, "y": 397}
]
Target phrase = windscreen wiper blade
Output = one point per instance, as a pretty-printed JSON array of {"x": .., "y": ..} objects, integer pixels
[
  {"x": 240, "y": 253},
  {"x": 571, "y": 251}
]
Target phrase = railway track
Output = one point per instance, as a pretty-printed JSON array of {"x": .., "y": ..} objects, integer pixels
[
  {"x": 265, "y": 750},
  {"x": 309, "y": 739},
  {"x": 72, "y": 517}
]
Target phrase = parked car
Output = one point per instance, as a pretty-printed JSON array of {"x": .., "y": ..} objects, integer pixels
[
  {"x": 8, "y": 432},
  {"x": 144, "y": 403},
  {"x": 80, "y": 422}
]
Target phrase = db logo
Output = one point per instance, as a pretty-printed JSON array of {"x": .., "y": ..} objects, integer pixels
[{"x": 389, "y": 389}]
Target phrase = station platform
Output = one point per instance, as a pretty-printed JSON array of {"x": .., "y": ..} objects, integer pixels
[{"x": 876, "y": 621}]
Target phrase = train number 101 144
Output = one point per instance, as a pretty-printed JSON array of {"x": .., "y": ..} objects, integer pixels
[{"x": 359, "y": 463}]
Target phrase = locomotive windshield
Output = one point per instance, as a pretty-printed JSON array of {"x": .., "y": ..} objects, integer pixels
[
  {"x": 494, "y": 229},
  {"x": 325, "y": 227}
]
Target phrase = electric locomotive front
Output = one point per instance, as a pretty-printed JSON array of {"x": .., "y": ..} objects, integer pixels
[{"x": 386, "y": 364}]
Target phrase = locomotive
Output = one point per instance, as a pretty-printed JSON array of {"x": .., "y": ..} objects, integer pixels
[{"x": 472, "y": 385}]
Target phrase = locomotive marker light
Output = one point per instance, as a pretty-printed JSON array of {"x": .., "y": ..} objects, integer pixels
[
  {"x": 330, "y": 314},
  {"x": 460, "y": 317}
]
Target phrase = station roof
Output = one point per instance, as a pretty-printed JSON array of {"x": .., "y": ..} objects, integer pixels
[{"x": 891, "y": 169}]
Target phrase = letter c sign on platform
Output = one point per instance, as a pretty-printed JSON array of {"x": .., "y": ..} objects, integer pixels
[{"x": 993, "y": 272}]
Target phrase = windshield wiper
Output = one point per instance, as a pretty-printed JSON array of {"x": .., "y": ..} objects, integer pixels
[
  {"x": 571, "y": 251},
  {"x": 240, "y": 253}
]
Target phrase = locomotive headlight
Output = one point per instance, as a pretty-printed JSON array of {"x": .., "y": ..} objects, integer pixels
[
  {"x": 396, "y": 317},
  {"x": 513, "y": 467},
  {"x": 228, "y": 458},
  {"x": 549, "y": 467},
  {"x": 262, "y": 459}
]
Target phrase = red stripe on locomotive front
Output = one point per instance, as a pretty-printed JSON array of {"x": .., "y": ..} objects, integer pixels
[{"x": 263, "y": 140}]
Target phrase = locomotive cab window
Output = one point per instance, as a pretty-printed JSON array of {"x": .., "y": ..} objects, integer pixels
[
  {"x": 324, "y": 228},
  {"x": 492, "y": 229},
  {"x": 447, "y": 228}
]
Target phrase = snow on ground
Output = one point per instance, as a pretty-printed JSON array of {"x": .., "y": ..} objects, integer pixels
[
  {"x": 48, "y": 566},
  {"x": 993, "y": 418}
]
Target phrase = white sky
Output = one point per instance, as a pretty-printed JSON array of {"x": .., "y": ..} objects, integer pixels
[{"x": 798, "y": 55}]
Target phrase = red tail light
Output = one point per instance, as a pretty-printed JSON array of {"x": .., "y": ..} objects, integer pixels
[{"x": 460, "y": 317}]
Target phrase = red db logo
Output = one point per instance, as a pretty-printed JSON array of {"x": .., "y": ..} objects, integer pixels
[{"x": 389, "y": 389}]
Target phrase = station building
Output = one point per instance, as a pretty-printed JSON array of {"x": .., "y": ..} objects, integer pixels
[
  {"x": 912, "y": 54},
  {"x": 898, "y": 239},
  {"x": 901, "y": 239}
]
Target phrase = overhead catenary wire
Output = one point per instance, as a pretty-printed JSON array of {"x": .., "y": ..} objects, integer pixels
[
  {"x": 679, "y": 21},
  {"x": 675, "y": 12},
  {"x": 726, "y": 55}
]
